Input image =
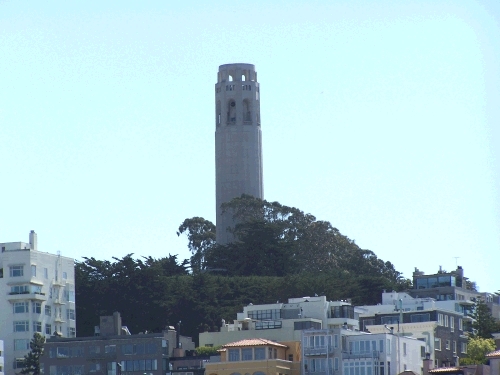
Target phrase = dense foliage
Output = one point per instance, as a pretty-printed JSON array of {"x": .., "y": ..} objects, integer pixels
[
  {"x": 477, "y": 348},
  {"x": 280, "y": 253},
  {"x": 483, "y": 324}
]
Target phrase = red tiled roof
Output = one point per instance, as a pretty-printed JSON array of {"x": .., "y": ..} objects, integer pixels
[
  {"x": 444, "y": 369},
  {"x": 253, "y": 342},
  {"x": 493, "y": 354}
]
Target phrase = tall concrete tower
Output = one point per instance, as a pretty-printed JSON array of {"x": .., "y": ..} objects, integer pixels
[{"x": 238, "y": 140}]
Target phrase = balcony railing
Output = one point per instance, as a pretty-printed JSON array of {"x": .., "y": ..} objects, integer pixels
[
  {"x": 319, "y": 350},
  {"x": 364, "y": 354}
]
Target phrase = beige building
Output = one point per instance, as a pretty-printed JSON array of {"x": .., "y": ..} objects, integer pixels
[{"x": 257, "y": 357}]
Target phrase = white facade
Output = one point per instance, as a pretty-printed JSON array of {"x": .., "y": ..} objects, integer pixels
[
  {"x": 238, "y": 140},
  {"x": 283, "y": 322},
  {"x": 37, "y": 294},
  {"x": 347, "y": 352}
]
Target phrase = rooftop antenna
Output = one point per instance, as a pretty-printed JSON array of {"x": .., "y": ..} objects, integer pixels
[{"x": 456, "y": 261}]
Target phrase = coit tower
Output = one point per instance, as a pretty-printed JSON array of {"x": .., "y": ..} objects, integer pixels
[{"x": 238, "y": 140}]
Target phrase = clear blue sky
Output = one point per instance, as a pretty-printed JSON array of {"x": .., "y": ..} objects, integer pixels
[{"x": 382, "y": 117}]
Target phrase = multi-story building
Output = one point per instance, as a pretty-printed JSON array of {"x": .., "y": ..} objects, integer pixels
[
  {"x": 257, "y": 357},
  {"x": 442, "y": 325},
  {"x": 452, "y": 286},
  {"x": 113, "y": 351},
  {"x": 341, "y": 351},
  {"x": 37, "y": 292},
  {"x": 282, "y": 322}
]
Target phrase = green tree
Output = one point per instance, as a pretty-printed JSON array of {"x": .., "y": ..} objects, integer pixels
[
  {"x": 31, "y": 363},
  {"x": 477, "y": 348},
  {"x": 483, "y": 322},
  {"x": 276, "y": 240},
  {"x": 201, "y": 237}
]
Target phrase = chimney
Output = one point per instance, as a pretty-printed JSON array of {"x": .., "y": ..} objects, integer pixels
[
  {"x": 428, "y": 363},
  {"x": 33, "y": 241}
]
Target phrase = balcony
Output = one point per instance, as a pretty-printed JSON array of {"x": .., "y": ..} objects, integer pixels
[
  {"x": 59, "y": 319},
  {"x": 319, "y": 350},
  {"x": 358, "y": 355},
  {"x": 22, "y": 296}
]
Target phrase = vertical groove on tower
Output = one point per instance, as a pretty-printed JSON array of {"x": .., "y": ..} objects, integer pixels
[{"x": 238, "y": 140}]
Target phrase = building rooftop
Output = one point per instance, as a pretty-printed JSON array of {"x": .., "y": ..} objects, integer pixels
[
  {"x": 496, "y": 353},
  {"x": 253, "y": 342}
]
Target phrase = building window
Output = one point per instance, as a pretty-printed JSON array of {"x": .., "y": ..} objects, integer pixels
[
  {"x": 20, "y": 307},
  {"x": 447, "y": 344},
  {"x": 463, "y": 347},
  {"x": 48, "y": 310},
  {"x": 454, "y": 347},
  {"x": 259, "y": 353},
  {"x": 440, "y": 319},
  {"x": 460, "y": 324},
  {"x": 446, "y": 320},
  {"x": 94, "y": 349},
  {"x": 16, "y": 271},
  {"x": 70, "y": 314},
  {"x": 234, "y": 355},
  {"x": 111, "y": 366},
  {"x": 94, "y": 367},
  {"x": 110, "y": 349},
  {"x": 37, "y": 326},
  {"x": 33, "y": 270},
  {"x": 389, "y": 320},
  {"x": 46, "y": 273},
  {"x": 21, "y": 326},
  {"x": 274, "y": 314},
  {"x": 18, "y": 363},
  {"x": 65, "y": 275},
  {"x": 336, "y": 364},
  {"x": 420, "y": 318},
  {"x": 246, "y": 354},
  {"x": 268, "y": 324},
  {"x": 437, "y": 344},
  {"x": 22, "y": 344},
  {"x": 71, "y": 332},
  {"x": 48, "y": 329},
  {"x": 335, "y": 341},
  {"x": 37, "y": 308},
  {"x": 404, "y": 349},
  {"x": 452, "y": 323},
  {"x": 19, "y": 289}
]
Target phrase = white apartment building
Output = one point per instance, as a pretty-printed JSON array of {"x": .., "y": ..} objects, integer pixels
[
  {"x": 345, "y": 352},
  {"x": 37, "y": 294},
  {"x": 283, "y": 322}
]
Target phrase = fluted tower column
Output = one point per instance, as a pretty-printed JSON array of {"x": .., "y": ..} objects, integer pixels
[{"x": 238, "y": 140}]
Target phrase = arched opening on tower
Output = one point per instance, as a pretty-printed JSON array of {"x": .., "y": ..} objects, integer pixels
[
  {"x": 231, "y": 112},
  {"x": 230, "y": 78},
  {"x": 247, "y": 112}
]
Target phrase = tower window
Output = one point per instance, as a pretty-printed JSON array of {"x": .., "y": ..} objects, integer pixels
[{"x": 231, "y": 113}]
